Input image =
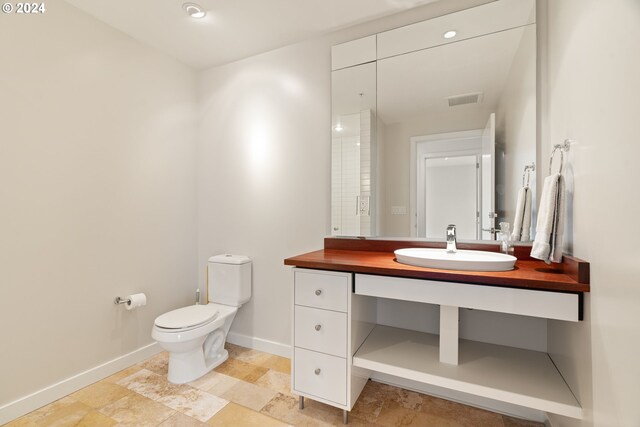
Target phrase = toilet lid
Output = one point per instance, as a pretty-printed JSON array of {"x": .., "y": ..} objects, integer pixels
[{"x": 187, "y": 317}]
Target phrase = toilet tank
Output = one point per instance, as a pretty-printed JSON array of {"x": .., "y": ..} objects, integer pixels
[{"x": 229, "y": 279}]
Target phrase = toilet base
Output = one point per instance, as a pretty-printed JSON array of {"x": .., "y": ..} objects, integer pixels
[{"x": 187, "y": 367}]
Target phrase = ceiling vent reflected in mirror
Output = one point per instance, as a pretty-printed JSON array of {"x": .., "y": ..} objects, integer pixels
[{"x": 468, "y": 98}]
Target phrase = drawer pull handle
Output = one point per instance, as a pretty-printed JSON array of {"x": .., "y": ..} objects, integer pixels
[
  {"x": 318, "y": 327},
  {"x": 318, "y": 292},
  {"x": 317, "y": 371}
]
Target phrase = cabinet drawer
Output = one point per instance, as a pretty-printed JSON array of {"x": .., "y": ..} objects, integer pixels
[
  {"x": 322, "y": 289},
  {"x": 526, "y": 302},
  {"x": 321, "y": 330},
  {"x": 320, "y": 375}
]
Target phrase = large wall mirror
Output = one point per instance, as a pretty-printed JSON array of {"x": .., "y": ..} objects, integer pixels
[{"x": 435, "y": 131}]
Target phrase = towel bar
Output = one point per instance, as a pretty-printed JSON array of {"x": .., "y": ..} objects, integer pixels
[
  {"x": 527, "y": 170},
  {"x": 562, "y": 147}
]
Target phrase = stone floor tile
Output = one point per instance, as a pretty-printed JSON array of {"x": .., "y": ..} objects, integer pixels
[
  {"x": 278, "y": 363},
  {"x": 122, "y": 374},
  {"x": 321, "y": 411},
  {"x": 394, "y": 414},
  {"x": 237, "y": 415},
  {"x": 517, "y": 422},
  {"x": 151, "y": 385},
  {"x": 158, "y": 363},
  {"x": 285, "y": 409},
  {"x": 136, "y": 410},
  {"x": 24, "y": 421},
  {"x": 249, "y": 395},
  {"x": 369, "y": 404},
  {"x": 214, "y": 383},
  {"x": 442, "y": 408},
  {"x": 241, "y": 370},
  {"x": 96, "y": 419},
  {"x": 65, "y": 411},
  {"x": 100, "y": 394},
  {"x": 476, "y": 417},
  {"x": 181, "y": 420},
  {"x": 276, "y": 381},
  {"x": 52, "y": 407},
  {"x": 69, "y": 415},
  {"x": 246, "y": 354},
  {"x": 194, "y": 403}
]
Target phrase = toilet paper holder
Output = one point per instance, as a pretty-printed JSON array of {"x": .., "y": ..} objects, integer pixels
[
  {"x": 119, "y": 300},
  {"x": 131, "y": 301}
]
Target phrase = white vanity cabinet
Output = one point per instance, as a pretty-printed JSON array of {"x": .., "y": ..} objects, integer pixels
[
  {"x": 337, "y": 344},
  {"x": 320, "y": 336},
  {"x": 507, "y": 374},
  {"x": 325, "y": 336}
]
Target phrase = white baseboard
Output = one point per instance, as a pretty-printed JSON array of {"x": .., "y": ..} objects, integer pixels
[
  {"x": 267, "y": 346},
  {"x": 56, "y": 391},
  {"x": 464, "y": 398}
]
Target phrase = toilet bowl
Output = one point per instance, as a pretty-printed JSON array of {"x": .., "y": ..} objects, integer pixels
[
  {"x": 195, "y": 335},
  {"x": 196, "y": 349}
]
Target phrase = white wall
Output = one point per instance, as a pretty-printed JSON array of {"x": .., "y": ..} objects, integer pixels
[
  {"x": 97, "y": 193},
  {"x": 592, "y": 87},
  {"x": 264, "y": 166},
  {"x": 476, "y": 325},
  {"x": 263, "y": 173}
]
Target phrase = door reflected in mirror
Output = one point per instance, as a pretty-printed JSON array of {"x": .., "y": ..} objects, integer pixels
[
  {"x": 451, "y": 184},
  {"x": 454, "y": 182}
]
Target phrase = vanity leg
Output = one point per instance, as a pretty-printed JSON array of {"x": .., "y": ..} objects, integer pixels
[
  {"x": 345, "y": 416},
  {"x": 301, "y": 402},
  {"x": 449, "y": 334}
]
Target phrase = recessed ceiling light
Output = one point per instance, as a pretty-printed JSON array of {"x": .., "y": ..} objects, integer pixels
[
  {"x": 449, "y": 34},
  {"x": 339, "y": 128},
  {"x": 194, "y": 10}
]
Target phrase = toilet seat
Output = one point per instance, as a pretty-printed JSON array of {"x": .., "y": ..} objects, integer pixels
[
  {"x": 186, "y": 318},
  {"x": 167, "y": 335}
]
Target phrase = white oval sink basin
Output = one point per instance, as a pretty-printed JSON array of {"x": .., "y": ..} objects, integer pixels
[{"x": 460, "y": 260}]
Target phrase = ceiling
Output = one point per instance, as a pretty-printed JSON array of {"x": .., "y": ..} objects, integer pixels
[
  {"x": 234, "y": 29},
  {"x": 411, "y": 86}
]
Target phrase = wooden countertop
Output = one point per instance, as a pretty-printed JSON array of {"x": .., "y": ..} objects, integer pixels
[{"x": 570, "y": 276}]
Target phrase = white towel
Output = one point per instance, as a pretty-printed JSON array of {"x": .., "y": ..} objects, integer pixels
[
  {"x": 550, "y": 226},
  {"x": 522, "y": 220}
]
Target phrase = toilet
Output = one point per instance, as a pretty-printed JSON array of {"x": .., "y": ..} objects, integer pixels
[{"x": 195, "y": 335}]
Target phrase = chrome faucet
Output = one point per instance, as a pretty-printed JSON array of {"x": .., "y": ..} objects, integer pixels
[{"x": 451, "y": 239}]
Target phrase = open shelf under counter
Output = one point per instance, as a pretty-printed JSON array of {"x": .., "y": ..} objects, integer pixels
[{"x": 521, "y": 377}]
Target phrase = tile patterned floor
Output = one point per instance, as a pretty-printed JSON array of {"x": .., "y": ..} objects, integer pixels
[{"x": 250, "y": 389}]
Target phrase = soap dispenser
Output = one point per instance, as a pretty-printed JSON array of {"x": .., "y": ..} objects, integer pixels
[{"x": 504, "y": 236}]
